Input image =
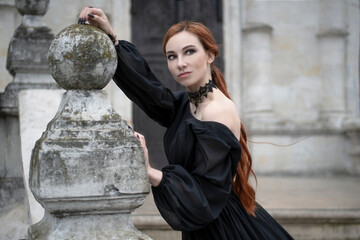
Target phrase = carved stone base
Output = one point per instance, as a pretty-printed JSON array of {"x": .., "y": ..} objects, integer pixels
[{"x": 86, "y": 227}]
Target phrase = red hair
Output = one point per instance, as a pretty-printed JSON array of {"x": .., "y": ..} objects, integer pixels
[{"x": 241, "y": 185}]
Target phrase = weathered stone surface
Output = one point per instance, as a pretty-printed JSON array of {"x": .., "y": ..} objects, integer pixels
[
  {"x": 100, "y": 227},
  {"x": 87, "y": 150},
  {"x": 87, "y": 162},
  {"x": 27, "y": 55},
  {"x": 88, "y": 169},
  {"x": 85, "y": 55},
  {"x": 28, "y": 49},
  {"x": 92, "y": 167},
  {"x": 29, "y": 46}
]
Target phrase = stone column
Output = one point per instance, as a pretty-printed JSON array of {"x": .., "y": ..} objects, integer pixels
[
  {"x": 332, "y": 39},
  {"x": 27, "y": 62},
  {"x": 258, "y": 106},
  {"x": 27, "y": 55},
  {"x": 257, "y": 103},
  {"x": 87, "y": 170}
]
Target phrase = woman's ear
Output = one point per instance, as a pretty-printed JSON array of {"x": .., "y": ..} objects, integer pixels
[{"x": 211, "y": 57}]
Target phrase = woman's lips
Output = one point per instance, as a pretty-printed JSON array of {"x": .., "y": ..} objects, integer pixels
[{"x": 184, "y": 74}]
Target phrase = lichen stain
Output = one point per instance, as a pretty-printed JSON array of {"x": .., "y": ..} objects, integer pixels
[
  {"x": 51, "y": 58},
  {"x": 106, "y": 118},
  {"x": 88, "y": 48}
]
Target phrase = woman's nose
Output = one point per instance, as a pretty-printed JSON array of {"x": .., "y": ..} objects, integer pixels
[{"x": 181, "y": 63}]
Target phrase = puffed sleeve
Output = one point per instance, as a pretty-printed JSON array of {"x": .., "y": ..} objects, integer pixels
[
  {"x": 140, "y": 85},
  {"x": 189, "y": 199}
]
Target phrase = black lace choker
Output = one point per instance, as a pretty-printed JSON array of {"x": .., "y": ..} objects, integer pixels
[{"x": 196, "y": 97}]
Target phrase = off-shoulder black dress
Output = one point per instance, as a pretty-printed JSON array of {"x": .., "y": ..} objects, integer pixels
[{"x": 195, "y": 194}]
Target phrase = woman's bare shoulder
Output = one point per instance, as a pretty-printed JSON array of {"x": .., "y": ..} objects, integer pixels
[{"x": 224, "y": 112}]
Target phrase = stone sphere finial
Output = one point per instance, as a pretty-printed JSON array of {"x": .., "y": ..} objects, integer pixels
[
  {"x": 82, "y": 57},
  {"x": 32, "y": 7}
]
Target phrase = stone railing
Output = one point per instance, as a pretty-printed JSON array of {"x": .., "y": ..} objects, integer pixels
[
  {"x": 87, "y": 170},
  {"x": 27, "y": 63}
]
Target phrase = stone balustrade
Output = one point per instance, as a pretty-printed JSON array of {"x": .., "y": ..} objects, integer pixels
[
  {"x": 88, "y": 169},
  {"x": 27, "y": 63}
]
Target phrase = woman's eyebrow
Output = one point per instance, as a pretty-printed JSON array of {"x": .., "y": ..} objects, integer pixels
[{"x": 186, "y": 47}]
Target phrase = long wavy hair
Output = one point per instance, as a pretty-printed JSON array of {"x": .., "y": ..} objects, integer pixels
[{"x": 241, "y": 185}]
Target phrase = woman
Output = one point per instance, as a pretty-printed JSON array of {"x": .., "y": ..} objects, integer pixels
[{"x": 204, "y": 191}]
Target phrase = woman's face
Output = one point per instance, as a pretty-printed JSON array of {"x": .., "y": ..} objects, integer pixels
[{"x": 188, "y": 61}]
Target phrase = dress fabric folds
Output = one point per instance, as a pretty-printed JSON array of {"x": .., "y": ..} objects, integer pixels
[{"x": 195, "y": 194}]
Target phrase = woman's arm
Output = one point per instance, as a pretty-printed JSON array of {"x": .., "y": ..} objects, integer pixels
[{"x": 134, "y": 76}]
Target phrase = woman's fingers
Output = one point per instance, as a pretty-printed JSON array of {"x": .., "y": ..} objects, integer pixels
[
  {"x": 94, "y": 20},
  {"x": 84, "y": 14},
  {"x": 96, "y": 11},
  {"x": 96, "y": 17},
  {"x": 141, "y": 138},
  {"x": 143, "y": 146}
]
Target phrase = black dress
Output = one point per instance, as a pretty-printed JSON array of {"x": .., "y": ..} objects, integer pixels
[{"x": 195, "y": 194}]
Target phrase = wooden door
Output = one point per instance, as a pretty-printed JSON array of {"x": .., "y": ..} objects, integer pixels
[{"x": 150, "y": 21}]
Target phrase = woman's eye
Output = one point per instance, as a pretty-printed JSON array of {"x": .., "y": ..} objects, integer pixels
[
  {"x": 171, "y": 57},
  {"x": 189, "y": 51}
]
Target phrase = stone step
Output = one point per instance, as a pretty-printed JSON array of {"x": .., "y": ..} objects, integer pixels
[{"x": 309, "y": 208}]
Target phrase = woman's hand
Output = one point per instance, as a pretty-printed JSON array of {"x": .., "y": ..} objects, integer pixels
[
  {"x": 97, "y": 18},
  {"x": 144, "y": 148},
  {"x": 154, "y": 175}
]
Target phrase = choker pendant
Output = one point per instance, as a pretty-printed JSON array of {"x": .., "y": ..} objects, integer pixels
[{"x": 196, "y": 97}]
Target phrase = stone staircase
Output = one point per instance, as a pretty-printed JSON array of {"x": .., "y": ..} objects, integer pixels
[{"x": 309, "y": 208}]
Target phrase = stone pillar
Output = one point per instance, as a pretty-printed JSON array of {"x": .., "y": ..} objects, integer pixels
[
  {"x": 257, "y": 106},
  {"x": 27, "y": 62},
  {"x": 27, "y": 55},
  {"x": 87, "y": 170},
  {"x": 332, "y": 40}
]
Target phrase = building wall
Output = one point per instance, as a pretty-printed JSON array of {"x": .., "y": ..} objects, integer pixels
[
  {"x": 292, "y": 68},
  {"x": 299, "y": 64},
  {"x": 300, "y": 83}
]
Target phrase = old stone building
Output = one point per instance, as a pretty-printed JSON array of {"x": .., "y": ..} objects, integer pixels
[{"x": 292, "y": 68}]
